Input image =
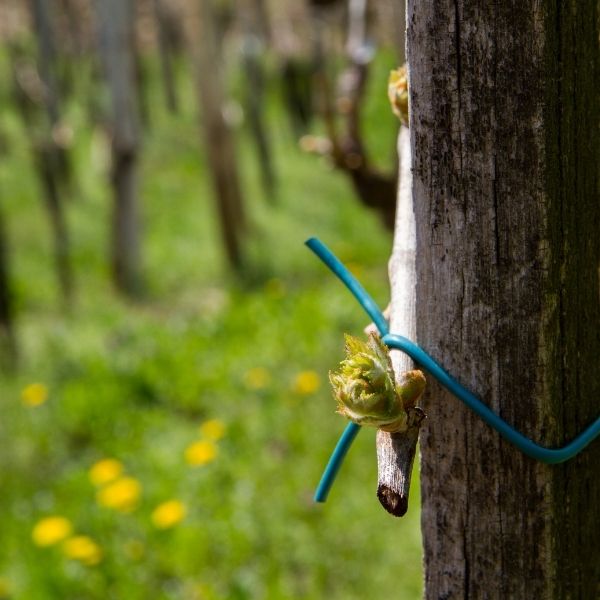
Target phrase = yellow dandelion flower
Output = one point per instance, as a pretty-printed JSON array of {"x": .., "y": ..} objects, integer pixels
[
  {"x": 306, "y": 382},
  {"x": 213, "y": 429},
  {"x": 168, "y": 513},
  {"x": 122, "y": 495},
  {"x": 34, "y": 394},
  {"x": 257, "y": 378},
  {"x": 51, "y": 530},
  {"x": 105, "y": 470},
  {"x": 83, "y": 549},
  {"x": 200, "y": 453}
]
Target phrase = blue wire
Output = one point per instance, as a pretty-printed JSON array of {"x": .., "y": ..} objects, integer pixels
[
  {"x": 335, "y": 461},
  {"x": 358, "y": 291},
  {"x": 545, "y": 455},
  {"x": 370, "y": 306}
]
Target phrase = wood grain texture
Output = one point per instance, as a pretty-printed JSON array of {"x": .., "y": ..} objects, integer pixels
[{"x": 504, "y": 124}]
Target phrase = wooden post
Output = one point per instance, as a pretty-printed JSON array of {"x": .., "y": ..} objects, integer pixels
[{"x": 504, "y": 113}]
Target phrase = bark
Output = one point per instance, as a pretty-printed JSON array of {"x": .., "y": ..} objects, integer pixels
[
  {"x": 504, "y": 113},
  {"x": 115, "y": 28}
]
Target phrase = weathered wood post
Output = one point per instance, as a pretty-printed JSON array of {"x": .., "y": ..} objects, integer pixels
[{"x": 504, "y": 123}]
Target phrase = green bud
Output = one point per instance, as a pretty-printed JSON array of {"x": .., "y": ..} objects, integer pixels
[{"x": 365, "y": 389}]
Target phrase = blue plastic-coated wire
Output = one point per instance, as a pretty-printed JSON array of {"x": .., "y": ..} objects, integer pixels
[
  {"x": 371, "y": 308},
  {"x": 528, "y": 447},
  {"x": 335, "y": 461},
  {"x": 524, "y": 444},
  {"x": 358, "y": 291}
]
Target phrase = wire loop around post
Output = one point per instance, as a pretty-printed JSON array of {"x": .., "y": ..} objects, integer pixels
[{"x": 524, "y": 444}]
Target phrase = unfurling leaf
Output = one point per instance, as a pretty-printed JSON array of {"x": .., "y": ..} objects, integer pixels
[
  {"x": 398, "y": 93},
  {"x": 365, "y": 389}
]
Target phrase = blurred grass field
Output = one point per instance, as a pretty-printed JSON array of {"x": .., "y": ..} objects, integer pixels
[{"x": 135, "y": 382}]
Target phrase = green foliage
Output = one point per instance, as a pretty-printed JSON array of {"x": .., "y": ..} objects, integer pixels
[{"x": 135, "y": 382}]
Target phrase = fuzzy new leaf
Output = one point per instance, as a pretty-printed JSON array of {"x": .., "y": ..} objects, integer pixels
[{"x": 365, "y": 389}]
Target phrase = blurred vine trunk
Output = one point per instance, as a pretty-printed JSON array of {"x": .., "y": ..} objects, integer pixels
[
  {"x": 396, "y": 12},
  {"x": 253, "y": 15},
  {"x": 74, "y": 15},
  {"x": 8, "y": 342},
  {"x": 504, "y": 122},
  {"x": 41, "y": 12},
  {"x": 169, "y": 34},
  {"x": 218, "y": 135},
  {"x": 141, "y": 69},
  {"x": 115, "y": 32},
  {"x": 37, "y": 87},
  {"x": 348, "y": 151},
  {"x": 290, "y": 35}
]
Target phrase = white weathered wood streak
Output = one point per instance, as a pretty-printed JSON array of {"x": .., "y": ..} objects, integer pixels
[
  {"x": 396, "y": 451},
  {"x": 504, "y": 132}
]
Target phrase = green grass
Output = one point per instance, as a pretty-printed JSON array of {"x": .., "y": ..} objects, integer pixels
[{"x": 134, "y": 381}]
